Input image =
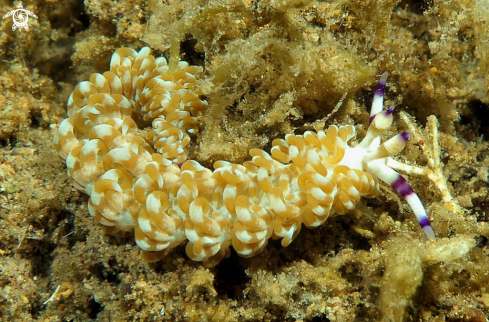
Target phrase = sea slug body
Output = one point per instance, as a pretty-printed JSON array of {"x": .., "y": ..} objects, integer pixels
[{"x": 136, "y": 183}]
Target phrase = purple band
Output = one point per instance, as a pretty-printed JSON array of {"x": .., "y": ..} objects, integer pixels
[
  {"x": 405, "y": 136},
  {"x": 380, "y": 88},
  {"x": 425, "y": 222},
  {"x": 389, "y": 111},
  {"x": 371, "y": 119},
  {"x": 402, "y": 186}
]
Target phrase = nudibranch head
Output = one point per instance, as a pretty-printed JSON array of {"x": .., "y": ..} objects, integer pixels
[{"x": 375, "y": 162}]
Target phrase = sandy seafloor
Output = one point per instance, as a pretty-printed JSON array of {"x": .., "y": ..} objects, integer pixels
[{"x": 269, "y": 68}]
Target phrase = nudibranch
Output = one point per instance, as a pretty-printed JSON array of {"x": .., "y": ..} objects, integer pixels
[{"x": 143, "y": 183}]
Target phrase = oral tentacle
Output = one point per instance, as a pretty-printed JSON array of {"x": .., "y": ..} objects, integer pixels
[
  {"x": 380, "y": 123},
  {"x": 398, "y": 183},
  {"x": 389, "y": 148},
  {"x": 378, "y": 102}
]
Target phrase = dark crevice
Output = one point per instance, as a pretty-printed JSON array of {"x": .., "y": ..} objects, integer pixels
[
  {"x": 41, "y": 259},
  {"x": 351, "y": 272},
  {"x": 56, "y": 61},
  {"x": 189, "y": 53},
  {"x": 104, "y": 273},
  {"x": 41, "y": 255},
  {"x": 230, "y": 278},
  {"x": 477, "y": 119},
  {"x": 5, "y": 142},
  {"x": 95, "y": 308},
  {"x": 416, "y": 6},
  {"x": 320, "y": 319},
  {"x": 79, "y": 19}
]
